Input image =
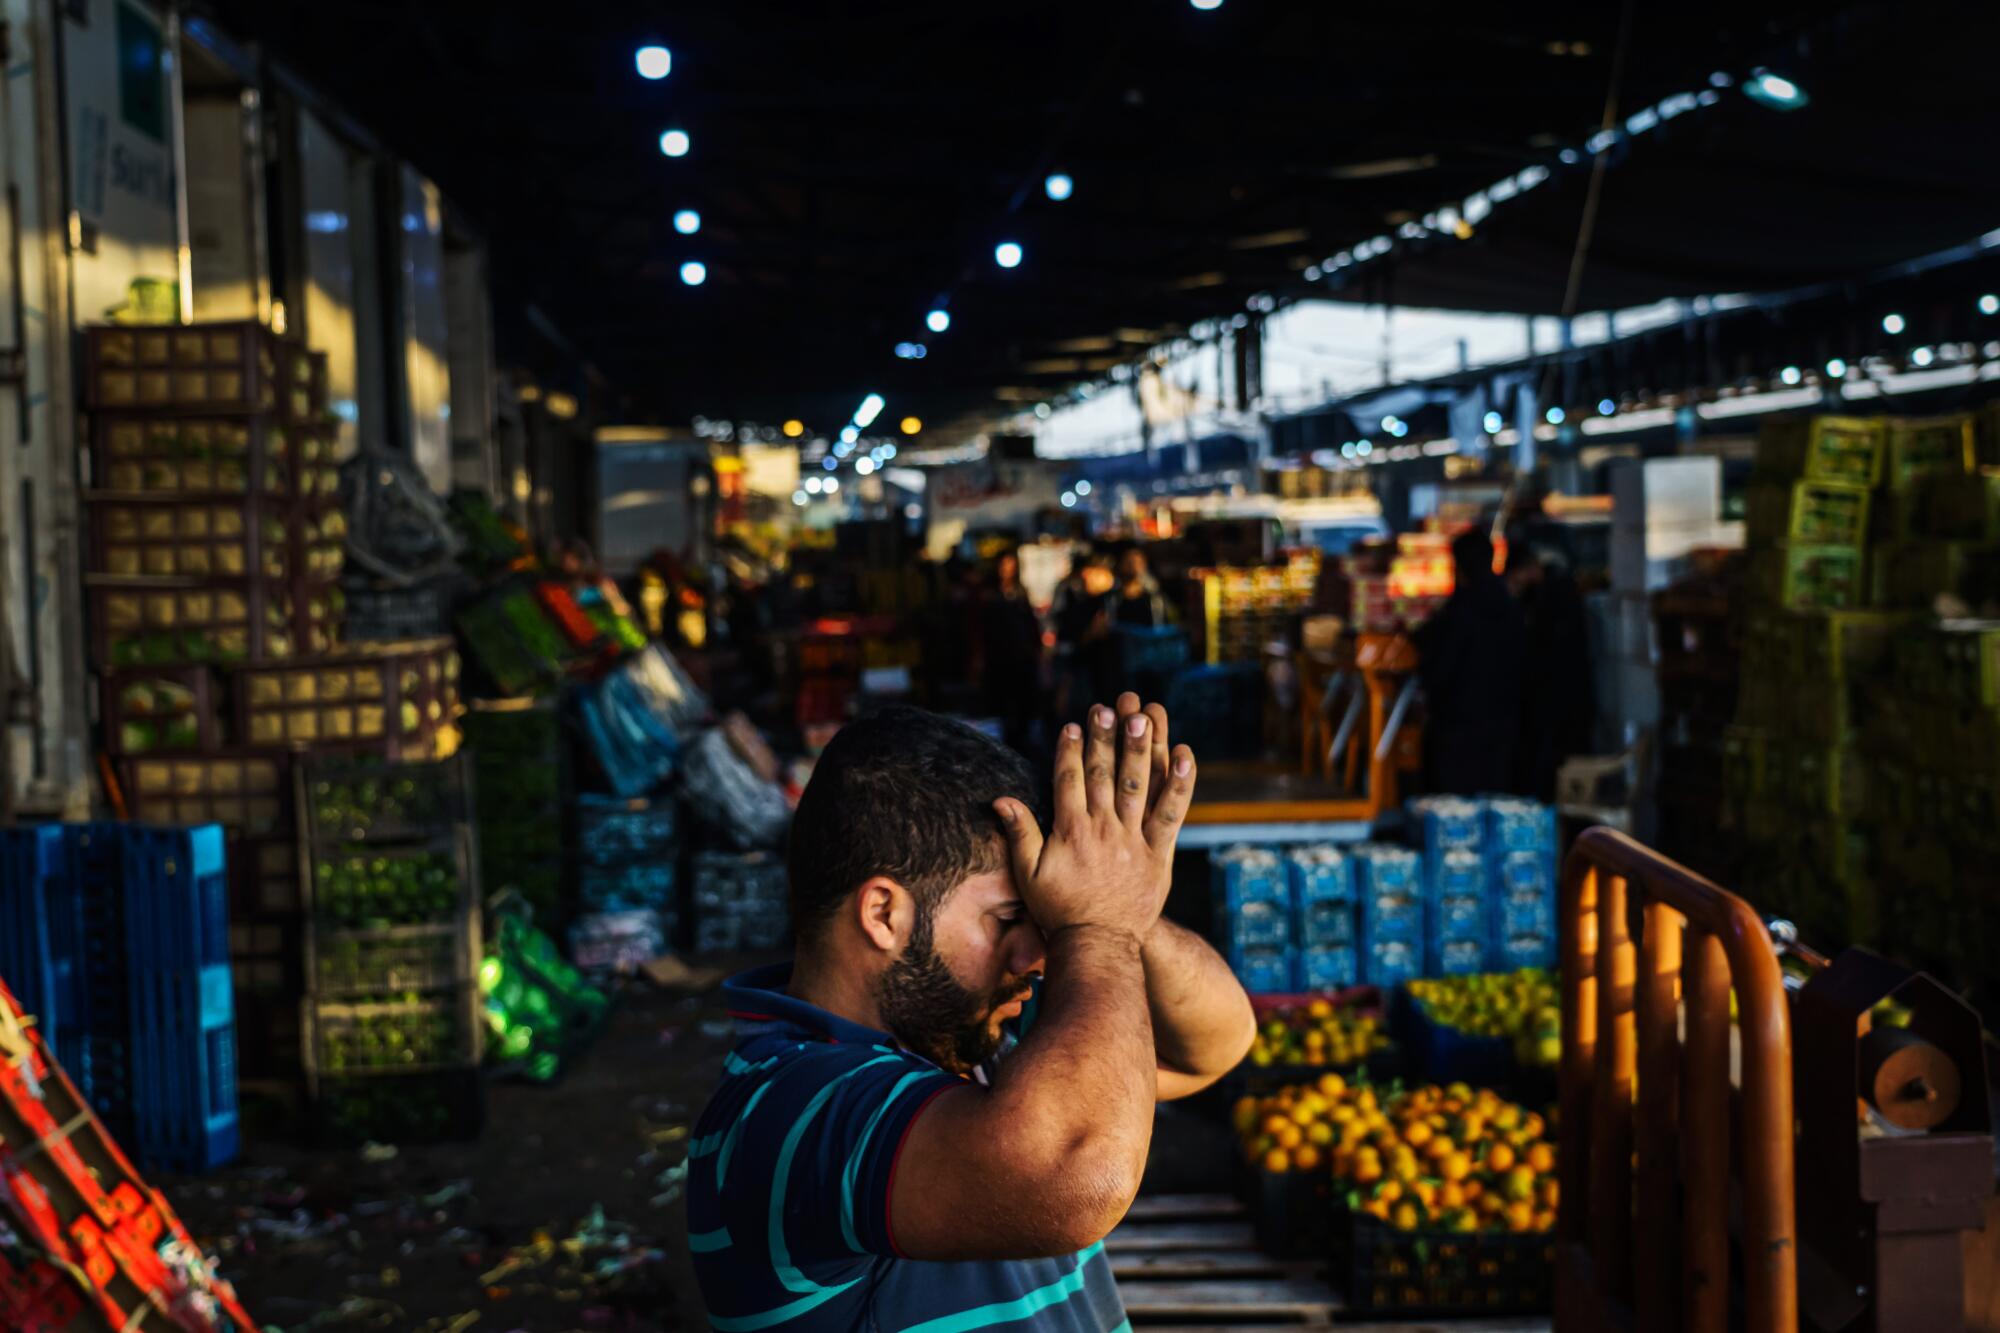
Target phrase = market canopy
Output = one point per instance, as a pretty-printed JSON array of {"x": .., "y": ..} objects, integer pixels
[{"x": 855, "y": 166}]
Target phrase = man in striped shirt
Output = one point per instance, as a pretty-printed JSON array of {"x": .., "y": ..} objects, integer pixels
[{"x": 894, "y": 1147}]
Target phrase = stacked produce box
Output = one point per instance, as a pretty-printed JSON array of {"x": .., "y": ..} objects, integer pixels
[
  {"x": 393, "y": 1014},
  {"x": 1455, "y": 884},
  {"x": 1388, "y": 884},
  {"x": 1321, "y": 881},
  {"x": 627, "y": 874},
  {"x": 1477, "y": 894},
  {"x": 1866, "y": 722},
  {"x": 517, "y": 754},
  {"x": 739, "y": 901},
  {"x": 1253, "y": 915},
  {"x": 215, "y": 548},
  {"x": 1519, "y": 839}
]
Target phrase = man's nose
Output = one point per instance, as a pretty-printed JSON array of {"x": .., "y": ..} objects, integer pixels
[{"x": 1029, "y": 952}]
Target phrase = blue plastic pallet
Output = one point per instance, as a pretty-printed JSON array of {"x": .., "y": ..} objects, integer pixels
[
  {"x": 182, "y": 997},
  {"x": 30, "y": 858}
]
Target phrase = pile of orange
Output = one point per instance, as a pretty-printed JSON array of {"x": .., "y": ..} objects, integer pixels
[
  {"x": 1446, "y": 1158},
  {"x": 1316, "y": 1033}
]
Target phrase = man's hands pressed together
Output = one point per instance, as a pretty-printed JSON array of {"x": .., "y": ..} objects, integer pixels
[{"x": 1108, "y": 859}]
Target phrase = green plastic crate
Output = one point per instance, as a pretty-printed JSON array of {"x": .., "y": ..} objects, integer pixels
[
  {"x": 1820, "y": 448},
  {"x": 1803, "y": 577},
  {"x": 1928, "y": 446}
]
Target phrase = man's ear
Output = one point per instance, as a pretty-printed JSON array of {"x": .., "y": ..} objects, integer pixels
[{"x": 885, "y": 912}]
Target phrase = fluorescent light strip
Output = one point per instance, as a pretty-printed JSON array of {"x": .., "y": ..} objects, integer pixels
[
  {"x": 1651, "y": 418},
  {"x": 1752, "y": 403}
]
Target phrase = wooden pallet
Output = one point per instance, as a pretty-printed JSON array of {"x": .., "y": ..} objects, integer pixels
[{"x": 1190, "y": 1263}]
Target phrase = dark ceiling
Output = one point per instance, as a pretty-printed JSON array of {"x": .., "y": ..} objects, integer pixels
[{"x": 853, "y": 162}]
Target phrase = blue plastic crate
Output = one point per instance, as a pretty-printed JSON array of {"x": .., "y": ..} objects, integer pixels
[
  {"x": 1257, "y": 923},
  {"x": 1523, "y": 914},
  {"x": 1457, "y": 957},
  {"x": 1383, "y": 868},
  {"x": 1388, "y": 963},
  {"x": 1525, "y": 950},
  {"x": 627, "y": 888},
  {"x": 1523, "y": 872},
  {"x": 1515, "y": 825},
  {"x": 614, "y": 831},
  {"x": 182, "y": 998},
  {"x": 1263, "y": 971},
  {"x": 1319, "y": 873},
  {"x": 1388, "y": 881},
  {"x": 1327, "y": 968},
  {"x": 1459, "y": 917},
  {"x": 1441, "y": 1054},
  {"x": 1323, "y": 924},
  {"x": 1455, "y": 873},
  {"x": 1247, "y": 875},
  {"x": 1447, "y": 823}
]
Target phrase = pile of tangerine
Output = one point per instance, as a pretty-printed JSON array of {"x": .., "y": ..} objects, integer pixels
[{"x": 1430, "y": 1157}]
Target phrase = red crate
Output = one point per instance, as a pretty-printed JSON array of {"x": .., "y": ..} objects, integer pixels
[{"x": 75, "y": 1197}]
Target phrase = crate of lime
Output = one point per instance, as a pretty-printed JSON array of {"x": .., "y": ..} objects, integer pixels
[{"x": 392, "y": 1013}]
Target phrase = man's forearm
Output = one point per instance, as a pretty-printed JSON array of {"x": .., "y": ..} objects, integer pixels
[
  {"x": 1202, "y": 1021},
  {"x": 1084, "y": 1076}
]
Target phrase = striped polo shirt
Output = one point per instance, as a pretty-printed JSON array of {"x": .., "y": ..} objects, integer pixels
[{"x": 789, "y": 1181}]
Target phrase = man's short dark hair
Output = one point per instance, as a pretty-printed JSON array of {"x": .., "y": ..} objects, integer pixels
[{"x": 906, "y": 794}]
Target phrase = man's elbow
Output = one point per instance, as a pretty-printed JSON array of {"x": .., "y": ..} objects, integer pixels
[{"x": 1092, "y": 1191}]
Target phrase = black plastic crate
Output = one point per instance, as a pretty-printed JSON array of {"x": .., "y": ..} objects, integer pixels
[
  {"x": 1438, "y": 1274},
  {"x": 360, "y": 798},
  {"x": 1292, "y": 1212}
]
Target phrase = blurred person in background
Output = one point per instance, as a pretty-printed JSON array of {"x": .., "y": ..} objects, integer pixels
[
  {"x": 1137, "y": 601},
  {"x": 1011, "y": 635},
  {"x": 1559, "y": 702},
  {"x": 1472, "y": 660},
  {"x": 1075, "y": 613}
]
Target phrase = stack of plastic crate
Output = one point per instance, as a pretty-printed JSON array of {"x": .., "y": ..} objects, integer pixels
[
  {"x": 517, "y": 752},
  {"x": 183, "y": 1002},
  {"x": 1455, "y": 884},
  {"x": 62, "y": 941},
  {"x": 393, "y": 1015},
  {"x": 1253, "y": 916},
  {"x": 627, "y": 854},
  {"x": 739, "y": 901},
  {"x": 1388, "y": 883},
  {"x": 1521, "y": 883},
  {"x": 1322, "y": 888}
]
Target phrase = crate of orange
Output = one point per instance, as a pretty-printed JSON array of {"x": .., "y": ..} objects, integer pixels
[
  {"x": 1439, "y": 1199},
  {"x": 1302, "y": 1037}
]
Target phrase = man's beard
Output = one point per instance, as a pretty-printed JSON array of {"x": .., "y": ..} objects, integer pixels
[{"x": 929, "y": 1012}]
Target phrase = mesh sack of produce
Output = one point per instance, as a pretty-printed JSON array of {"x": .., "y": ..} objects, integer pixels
[
  {"x": 730, "y": 798},
  {"x": 397, "y": 529}
]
